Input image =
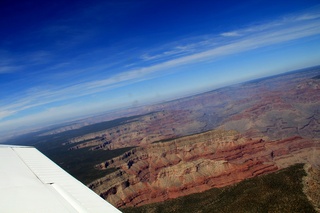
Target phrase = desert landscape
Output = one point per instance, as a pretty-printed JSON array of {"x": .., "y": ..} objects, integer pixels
[
  {"x": 160, "y": 152},
  {"x": 157, "y": 153},
  {"x": 164, "y": 106}
]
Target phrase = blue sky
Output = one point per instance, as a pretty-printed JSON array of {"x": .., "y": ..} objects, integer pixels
[{"x": 62, "y": 60}]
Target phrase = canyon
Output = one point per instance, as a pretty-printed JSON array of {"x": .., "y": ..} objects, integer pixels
[
  {"x": 276, "y": 107},
  {"x": 210, "y": 140},
  {"x": 162, "y": 151},
  {"x": 196, "y": 163}
]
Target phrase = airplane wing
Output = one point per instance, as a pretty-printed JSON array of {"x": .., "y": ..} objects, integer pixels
[{"x": 31, "y": 182}]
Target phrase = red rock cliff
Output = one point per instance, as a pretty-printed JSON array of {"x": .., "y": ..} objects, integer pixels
[{"x": 193, "y": 164}]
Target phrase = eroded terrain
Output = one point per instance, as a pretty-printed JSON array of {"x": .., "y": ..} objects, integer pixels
[
  {"x": 163, "y": 151},
  {"x": 277, "y": 107},
  {"x": 210, "y": 140},
  {"x": 196, "y": 163}
]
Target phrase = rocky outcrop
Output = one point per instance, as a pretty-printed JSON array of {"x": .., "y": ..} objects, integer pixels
[
  {"x": 193, "y": 164},
  {"x": 312, "y": 180},
  {"x": 281, "y": 113},
  {"x": 141, "y": 131}
]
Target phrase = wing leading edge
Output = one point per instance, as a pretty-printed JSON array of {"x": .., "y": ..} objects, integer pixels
[{"x": 31, "y": 182}]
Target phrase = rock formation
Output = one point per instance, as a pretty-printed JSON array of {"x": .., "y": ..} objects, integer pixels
[
  {"x": 193, "y": 164},
  {"x": 144, "y": 130},
  {"x": 282, "y": 113},
  {"x": 312, "y": 180},
  {"x": 261, "y": 126},
  {"x": 276, "y": 107}
]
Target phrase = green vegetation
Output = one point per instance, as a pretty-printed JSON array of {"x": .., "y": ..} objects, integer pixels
[
  {"x": 45, "y": 142},
  {"x": 276, "y": 192},
  {"x": 79, "y": 163}
]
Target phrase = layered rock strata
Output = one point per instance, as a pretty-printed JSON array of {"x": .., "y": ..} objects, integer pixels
[
  {"x": 191, "y": 164},
  {"x": 281, "y": 113},
  {"x": 312, "y": 182},
  {"x": 145, "y": 130}
]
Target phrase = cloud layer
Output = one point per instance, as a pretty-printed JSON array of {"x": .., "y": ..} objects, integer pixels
[{"x": 147, "y": 64}]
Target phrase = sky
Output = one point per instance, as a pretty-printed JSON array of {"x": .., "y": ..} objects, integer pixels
[{"x": 61, "y": 60}]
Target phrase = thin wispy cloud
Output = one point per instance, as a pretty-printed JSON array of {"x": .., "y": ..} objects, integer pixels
[
  {"x": 292, "y": 22},
  {"x": 308, "y": 17},
  {"x": 31, "y": 121},
  {"x": 36, "y": 58},
  {"x": 10, "y": 63},
  {"x": 251, "y": 41},
  {"x": 224, "y": 44},
  {"x": 231, "y": 34},
  {"x": 180, "y": 48},
  {"x": 8, "y": 69},
  {"x": 7, "y": 63},
  {"x": 4, "y": 114},
  {"x": 176, "y": 52},
  {"x": 281, "y": 23}
]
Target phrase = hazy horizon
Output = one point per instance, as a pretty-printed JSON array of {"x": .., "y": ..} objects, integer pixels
[
  {"x": 65, "y": 60},
  {"x": 81, "y": 118}
]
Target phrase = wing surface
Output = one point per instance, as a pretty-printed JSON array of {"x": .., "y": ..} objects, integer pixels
[{"x": 31, "y": 182}]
